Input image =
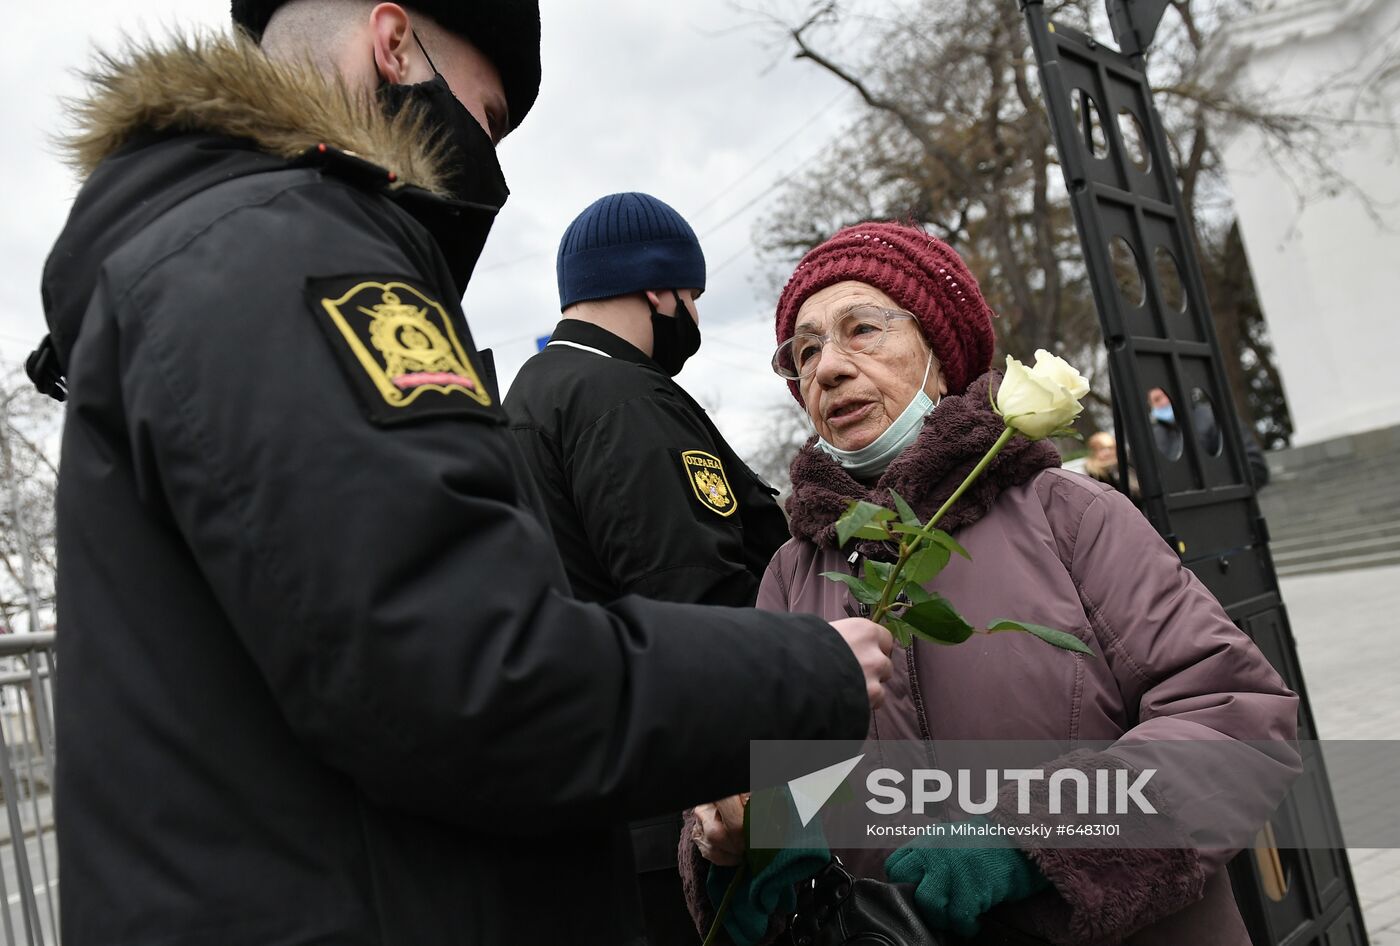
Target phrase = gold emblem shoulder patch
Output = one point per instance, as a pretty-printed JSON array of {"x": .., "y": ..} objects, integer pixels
[
  {"x": 705, "y": 474},
  {"x": 399, "y": 348}
]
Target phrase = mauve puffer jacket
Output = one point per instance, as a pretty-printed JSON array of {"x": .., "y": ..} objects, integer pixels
[{"x": 1064, "y": 551}]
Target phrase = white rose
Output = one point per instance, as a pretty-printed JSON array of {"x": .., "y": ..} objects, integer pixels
[
  {"x": 1054, "y": 368},
  {"x": 1037, "y": 402}
]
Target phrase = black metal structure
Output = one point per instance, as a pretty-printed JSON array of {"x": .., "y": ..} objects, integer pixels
[{"x": 1140, "y": 256}]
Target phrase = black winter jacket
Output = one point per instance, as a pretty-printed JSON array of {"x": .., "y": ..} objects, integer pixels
[{"x": 643, "y": 493}]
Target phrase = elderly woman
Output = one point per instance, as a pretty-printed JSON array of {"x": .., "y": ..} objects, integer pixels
[{"x": 885, "y": 339}]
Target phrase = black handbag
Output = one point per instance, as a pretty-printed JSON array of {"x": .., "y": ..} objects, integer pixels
[{"x": 837, "y": 909}]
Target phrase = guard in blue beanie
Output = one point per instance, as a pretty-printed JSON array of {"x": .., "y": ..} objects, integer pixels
[
  {"x": 644, "y": 495},
  {"x": 625, "y": 244}
]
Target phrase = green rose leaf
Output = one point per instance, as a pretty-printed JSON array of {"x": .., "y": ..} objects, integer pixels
[
  {"x": 906, "y": 512},
  {"x": 924, "y": 565},
  {"x": 878, "y": 573},
  {"x": 858, "y": 515},
  {"x": 916, "y": 594},
  {"x": 939, "y": 537},
  {"x": 861, "y": 590},
  {"x": 935, "y": 620},
  {"x": 903, "y": 633},
  {"x": 1060, "y": 639},
  {"x": 873, "y": 530}
]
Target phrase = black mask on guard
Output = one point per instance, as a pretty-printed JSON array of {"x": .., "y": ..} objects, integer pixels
[
  {"x": 674, "y": 338},
  {"x": 473, "y": 171}
]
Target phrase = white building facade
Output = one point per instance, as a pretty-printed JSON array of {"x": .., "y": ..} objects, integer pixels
[{"x": 1324, "y": 251}]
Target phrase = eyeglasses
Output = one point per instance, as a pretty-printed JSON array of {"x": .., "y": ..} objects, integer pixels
[{"x": 858, "y": 331}]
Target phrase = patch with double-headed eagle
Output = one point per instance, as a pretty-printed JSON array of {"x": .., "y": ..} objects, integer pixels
[
  {"x": 706, "y": 476},
  {"x": 400, "y": 349}
]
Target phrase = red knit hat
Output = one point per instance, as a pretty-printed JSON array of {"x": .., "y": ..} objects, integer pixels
[{"x": 921, "y": 273}]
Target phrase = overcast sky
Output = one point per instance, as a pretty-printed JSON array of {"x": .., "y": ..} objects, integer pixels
[{"x": 680, "y": 99}]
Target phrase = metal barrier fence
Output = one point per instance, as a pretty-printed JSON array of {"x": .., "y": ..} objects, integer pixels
[{"x": 28, "y": 854}]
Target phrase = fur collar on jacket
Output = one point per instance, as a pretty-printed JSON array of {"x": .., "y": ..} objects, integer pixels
[
  {"x": 226, "y": 85},
  {"x": 955, "y": 437}
]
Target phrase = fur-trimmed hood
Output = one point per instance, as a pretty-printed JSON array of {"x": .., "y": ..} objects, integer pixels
[
  {"x": 162, "y": 123},
  {"x": 226, "y": 85}
]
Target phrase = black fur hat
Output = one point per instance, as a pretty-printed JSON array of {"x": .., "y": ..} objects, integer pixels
[{"x": 506, "y": 31}]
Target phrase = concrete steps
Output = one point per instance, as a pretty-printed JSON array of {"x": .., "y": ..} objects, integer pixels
[
  {"x": 1335, "y": 506},
  {"x": 1361, "y": 529},
  {"x": 1337, "y": 563}
]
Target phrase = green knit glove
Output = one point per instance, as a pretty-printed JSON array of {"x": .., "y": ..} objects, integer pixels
[
  {"x": 770, "y": 892},
  {"x": 955, "y": 886},
  {"x": 759, "y": 896}
]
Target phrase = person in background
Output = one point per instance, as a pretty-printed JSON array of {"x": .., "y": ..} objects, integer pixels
[
  {"x": 1167, "y": 434},
  {"x": 643, "y": 493},
  {"x": 1102, "y": 464}
]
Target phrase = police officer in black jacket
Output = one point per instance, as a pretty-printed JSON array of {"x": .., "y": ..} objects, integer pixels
[
  {"x": 644, "y": 494},
  {"x": 322, "y": 680}
]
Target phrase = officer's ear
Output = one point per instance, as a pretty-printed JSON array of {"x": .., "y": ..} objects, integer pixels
[
  {"x": 655, "y": 298},
  {"x": 392, "y": 37}
]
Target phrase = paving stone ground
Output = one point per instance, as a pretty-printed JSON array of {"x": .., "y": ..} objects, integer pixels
[{"x": 1347, "y": 627}]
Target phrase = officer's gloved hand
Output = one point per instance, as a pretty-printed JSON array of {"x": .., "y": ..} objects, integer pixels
[{"x": 955, "y": 886}]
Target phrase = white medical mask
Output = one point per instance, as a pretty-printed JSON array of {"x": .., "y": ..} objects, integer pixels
[{"x": 872, "y": 459}]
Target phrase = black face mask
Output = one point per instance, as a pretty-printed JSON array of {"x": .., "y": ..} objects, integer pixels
[
  {"x": 674, "y": 338},
  {"x": 473, "y": 174}
]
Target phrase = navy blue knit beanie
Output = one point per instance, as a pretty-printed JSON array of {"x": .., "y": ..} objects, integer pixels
[{"x": 626, "y": 243}]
